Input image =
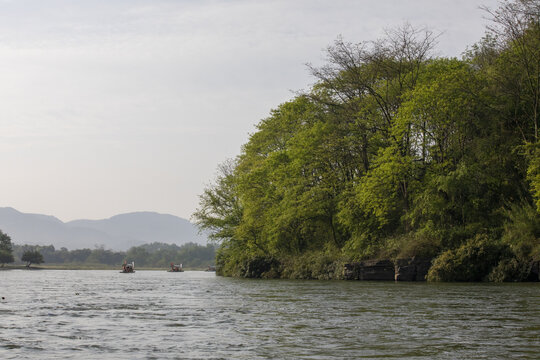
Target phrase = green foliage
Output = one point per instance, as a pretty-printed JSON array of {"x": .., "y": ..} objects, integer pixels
[
  {"x": 261, "y": 267},
  {"x": 383, "y": 192},
  {"x": 231, "y": 260},
  {"x": 32, "y": 257},
  {"x": 101, "y": 256},
  {"x": 423, "y": 244},
  {"x": 286, "y": 202},
  {"x": 6, "y": 257},
  {"x": 472, "y": 261},
  {"x": 511, "y": 269},
  {"x": 155, "y": 255},
  {"x": 190, "y": 255},
  {"x": 321, "y": 265},
  {"x": 6, "y": 249},
  {"x": 220, "y": 210},
  {"x": 393, "y": 154},
  {"x": 522, "y": 231},
  {"x": 517, "y": 23},
  {"x": 52, "y": 255},
  {"x": 533, "y": 171}
]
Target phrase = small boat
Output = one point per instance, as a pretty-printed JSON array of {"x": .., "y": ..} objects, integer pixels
[
  {"x": 176, "y": 268},
  {"x": 210, "y": 269},
  {"x": 128, "y": 268}
]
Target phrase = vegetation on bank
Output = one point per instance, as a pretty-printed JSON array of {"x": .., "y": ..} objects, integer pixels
[
  {"x": 32, "y": 257},
  {"x": 394, "y": 153},
  {"x": 6, "y": 249},
  {"x": 148, "y": 256}
]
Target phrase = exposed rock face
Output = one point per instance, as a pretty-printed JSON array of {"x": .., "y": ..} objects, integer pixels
[
  {"x": 407, "y": 270},
  {"x": 257, "y": 267},
  {"x": 400, "y": 270},
  {"x": 411, "y": 269},
  {"x": 370, "y": 270},
  {"x": 534, "y": 272}
]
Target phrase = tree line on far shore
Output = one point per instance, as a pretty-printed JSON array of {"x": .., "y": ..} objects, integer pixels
[{"x": 154, "y": 255}]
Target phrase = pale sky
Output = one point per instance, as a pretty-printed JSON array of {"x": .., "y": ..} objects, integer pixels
[{"x": 114, "y": 106}]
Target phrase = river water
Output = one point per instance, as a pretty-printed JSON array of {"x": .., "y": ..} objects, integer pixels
[{"x": 50, "y": 314}]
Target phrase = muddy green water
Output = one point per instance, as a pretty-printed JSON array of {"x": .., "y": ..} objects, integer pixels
[{"x": 52, "y": 314}]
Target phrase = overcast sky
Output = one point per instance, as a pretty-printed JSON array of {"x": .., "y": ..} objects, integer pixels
[{"x": 114, "y": 106}]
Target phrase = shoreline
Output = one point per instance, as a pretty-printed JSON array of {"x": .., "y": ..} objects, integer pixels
[{"x": 83, "y": 267}]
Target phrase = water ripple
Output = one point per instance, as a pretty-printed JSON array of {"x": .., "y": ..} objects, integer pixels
[{"x": 195, "y": 315}]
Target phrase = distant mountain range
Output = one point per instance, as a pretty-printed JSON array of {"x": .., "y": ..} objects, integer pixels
[{"x": 119, "y": 232}]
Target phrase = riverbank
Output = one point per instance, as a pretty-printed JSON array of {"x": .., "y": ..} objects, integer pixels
[
  {"x": 85, "y": 267},
  {"x": 58, "y": 267},
  {"x": 318, "y": 266}
]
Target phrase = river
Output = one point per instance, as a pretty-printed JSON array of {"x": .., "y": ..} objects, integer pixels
[{"x": 52, "y": 314}]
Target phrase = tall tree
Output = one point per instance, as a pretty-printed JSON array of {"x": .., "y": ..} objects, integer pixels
[
  {"x": 391, "y": 152},
  {"x": 517, "y": 24},
  {"x": 220, "y": 210},
  {"x": 6, "y": 249},
  {"x": 32, "y": 257}
]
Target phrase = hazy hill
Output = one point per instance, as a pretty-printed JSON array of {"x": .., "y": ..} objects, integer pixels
[{"x": 120, "y": 232}]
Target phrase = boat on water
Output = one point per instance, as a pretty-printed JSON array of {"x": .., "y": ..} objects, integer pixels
[
  {"x": 128, "y": 268},
  {"x": 210, "y": 268},
  {"x": 176, "y": 268}
]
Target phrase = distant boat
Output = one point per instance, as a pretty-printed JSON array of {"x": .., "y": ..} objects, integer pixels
[
  {"x": 210, "y": 268},
  {"x": 176, "y": 268},
  {"x": 128, "y": 268}
]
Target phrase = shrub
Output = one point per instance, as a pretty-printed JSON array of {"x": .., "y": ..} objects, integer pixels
[
  {"x": 472, "y": 261},
  {"x": 413, "y": 245},
  {"x": 512, "y": 269},
  {"x": 324, "y": 264},
  {"x": 262, "y": 267},
  {"x": 522, "y": 231}
]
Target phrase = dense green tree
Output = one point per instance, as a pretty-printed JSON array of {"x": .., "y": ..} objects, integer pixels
[
  {"x": 32, "y": 257},
  {"x": 533, "y": 172},
  {"x": 6, "y": 249},
  {"x": 394, "y": 153},
  {"x": 220, "y": 209},
  {"x": 517, "y": 24}
]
